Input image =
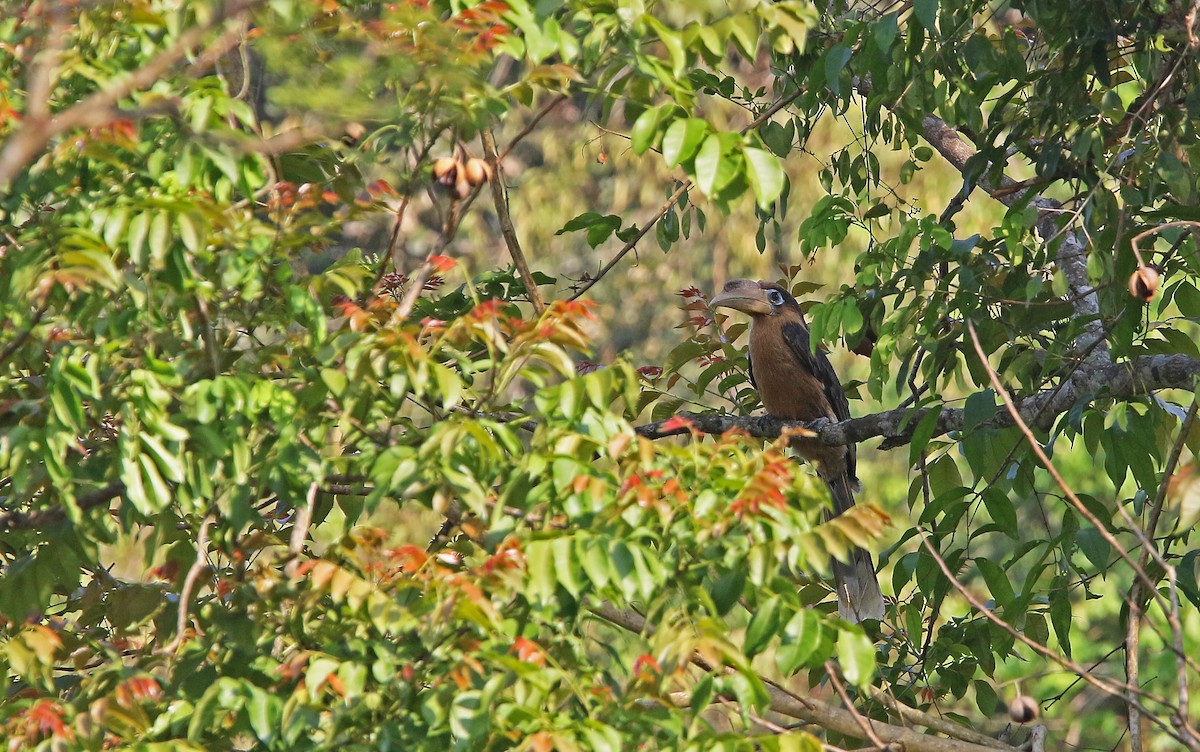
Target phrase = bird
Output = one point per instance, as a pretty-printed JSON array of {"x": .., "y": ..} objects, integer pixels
[{"x": 797, "y": 382}]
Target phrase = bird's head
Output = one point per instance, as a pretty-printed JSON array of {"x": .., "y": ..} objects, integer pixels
[{"x": 755, "y": 298}]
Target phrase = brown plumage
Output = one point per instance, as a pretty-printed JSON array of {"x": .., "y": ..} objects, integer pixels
[{"x": 795, "y": 382}]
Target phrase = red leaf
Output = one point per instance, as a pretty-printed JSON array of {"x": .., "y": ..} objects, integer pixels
[
  {"x": 442, "y": 263},
  {"x": 676, "y": 423}
]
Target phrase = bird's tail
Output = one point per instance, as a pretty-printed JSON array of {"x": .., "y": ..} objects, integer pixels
[{"x": 858, "y": 593}]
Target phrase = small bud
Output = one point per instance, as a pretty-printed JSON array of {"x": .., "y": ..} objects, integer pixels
[
  {"x": 1143, "y": 283},
  {"x": 445, "y": 170},
  {"x": 477, "y": 171},
  {"x": 1023, "y": 709}
]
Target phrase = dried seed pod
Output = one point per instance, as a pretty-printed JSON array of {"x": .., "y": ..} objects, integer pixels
[
  {"x": 462, "y": 186},
  {"x": 1023, "y": 709},
  {"x": 477, "y": 171},
  {"x": 1143, "y": 283},
  {"x": 445, "y": 170}
]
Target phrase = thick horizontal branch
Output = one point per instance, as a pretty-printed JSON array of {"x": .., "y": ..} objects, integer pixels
[
  {"x": 1115, "y": 381},
  {"x": 40, "y": 518}
]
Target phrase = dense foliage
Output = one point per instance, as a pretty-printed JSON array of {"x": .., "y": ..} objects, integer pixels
[{"x": 268, "y": 322}]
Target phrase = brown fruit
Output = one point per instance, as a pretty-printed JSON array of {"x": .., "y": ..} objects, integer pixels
[
  {"x": 445, "y": 170},
  {"x": 477, "y": 171},
  {"x": 1023, "y": 709},
  {"x": 1143, "y": 283}
]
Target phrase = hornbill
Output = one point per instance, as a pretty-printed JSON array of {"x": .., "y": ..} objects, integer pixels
[{"x": 798, "y": 383}]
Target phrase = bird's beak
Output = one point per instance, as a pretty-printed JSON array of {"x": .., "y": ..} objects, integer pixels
[{"x": 744, "y": 296}]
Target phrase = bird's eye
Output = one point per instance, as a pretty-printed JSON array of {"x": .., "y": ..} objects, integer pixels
[{"x": 774, "y": 297}]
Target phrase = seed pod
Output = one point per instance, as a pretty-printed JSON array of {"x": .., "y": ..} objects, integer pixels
[
  {"x": 477, "y": 171},
  {"x": 1023, "y": 709},
  {"x": 1143, "y": 283},
  {"x": 445, "y": 170},
  {"x": 462, "y": 186}
]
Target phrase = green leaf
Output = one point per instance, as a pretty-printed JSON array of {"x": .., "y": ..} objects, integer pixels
[
  {"x": 160, "y": 237},
  {"x": 997, "y": 581},
  {"x": 671, "y": 41},
  {"x": 765, "y": 174},
  {"x": 1094, "y": 547},
  {"x": 708, "y": 164},
  {"x": 835, "y": 60},
  {"x": 886, "y": 29},
  {"x": 727, "y": 588},
  {"x": 682, "y": 139},
  {"x": 645, "y": 130},
  {"x": 335, "y": 381},
  {"x": 1060, "y": 617},
  {"x": 539, "y": 564},
  {"x": 778, "y": 137},
  {"x": 985, "y": 697},
  {"x": 566, "y": 566},
  {"x": 979, "y": 408},
  {"x": 139, "y": 228},
  {"x": 922, "y": 434},
  {"x": 762, "y": 627},
  {"x": 856, "y": 654},
  {"x": 799, "y": 642},
  {"x": 926, "y": 12},
  {"x": 1187, "y": 297},
  {"x": 1001, "y": 510}
]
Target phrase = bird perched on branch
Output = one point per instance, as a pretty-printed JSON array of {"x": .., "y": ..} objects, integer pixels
[{"x": 797, "y": 382}]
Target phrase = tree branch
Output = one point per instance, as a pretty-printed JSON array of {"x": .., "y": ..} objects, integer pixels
[
  {"x": 500, "y": 199},
  {"x": 1071, "y": 258},
  {"x": 16, "y": 520},
  {"x": 36, "y": 132},
  {"x": 679, "y": 193},
  {"x": 1116, "y": 381},
  {"x": 812, "y": 710}
]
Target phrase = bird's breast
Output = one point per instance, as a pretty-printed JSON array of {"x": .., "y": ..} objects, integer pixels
[{"x": 786, "y": 388}]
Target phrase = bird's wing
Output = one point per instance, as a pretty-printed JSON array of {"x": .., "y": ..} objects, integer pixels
[{"x": 797, "y": 339}]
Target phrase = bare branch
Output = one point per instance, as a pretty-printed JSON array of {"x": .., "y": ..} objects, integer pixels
[
  {"x": 809, "y": 709},
  {"x": 500, "y": 198},
  {"x": 43, "y": 517},
  {"x": 546, "y": 110},
  {"x": 1116, "y": 381},
  {"x": 1071, "y": 258},
  {"x": 1122, "y": 691},
  {"x": 189, "y": 584},
  {"x": 36, "y": 133}
]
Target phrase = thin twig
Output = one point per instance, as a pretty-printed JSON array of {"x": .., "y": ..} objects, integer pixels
[
  {"x": 96, "y": 109},
  {"x": 629, "y": 246},
  {"x": 808, "y": 709},
  {"x": 1133, "y": 629},
  {"x": 546, "y": 110},
  {"x": 189, "y": 584},
  {"x": 863, "y": 723},
  {"x": 1101, "y": 528},
  {"x": 1123, "y": 692},
  {"x": 679, "y": 193},
  {"x": 500, "y": 198}
]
